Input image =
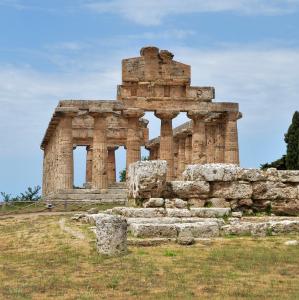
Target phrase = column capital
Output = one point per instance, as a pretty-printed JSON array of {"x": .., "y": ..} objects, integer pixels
[
  {"x": 166, "y": 114},
  {"x": 66, "y": 111},
  {"x": 233, "y": 116},
  {"x": 133, "y": 113},
  {"x": 198, "y": 114},
  {"x": 214, "y": 117},
  {"x": 112, "y": 147},
  {"x": 99, "y": 112}
]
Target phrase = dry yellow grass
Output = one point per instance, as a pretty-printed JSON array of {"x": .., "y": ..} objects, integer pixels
[{"x": 40, "y": 261}]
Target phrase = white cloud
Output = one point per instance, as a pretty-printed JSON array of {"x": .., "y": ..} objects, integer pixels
[{"x": 154, "y": 11}]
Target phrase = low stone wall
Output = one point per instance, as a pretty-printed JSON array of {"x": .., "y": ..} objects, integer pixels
[{"x": 217, "y": 185}]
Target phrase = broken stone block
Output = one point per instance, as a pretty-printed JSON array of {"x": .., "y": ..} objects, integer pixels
[
  {"x": 153, "y": 230},
  {"x": 154, "y": 202},
  {"x": 211, "y": 172},
  {"x": 187, "y": 189},
  {"x": 273, "y": 190},
  {"x": 201, "y": 229},
  {"x": 205, "y": 212},
  {"x": 147, "y": 179},
  {"x": 218, "y": 202},
  {"x": 288, "y": 176},
  {"x": 251, "y": 175},
  {"x": 111, "y": 234},
  {"x": 232, "y": 190},
  {"x": 185, "y": 238}
]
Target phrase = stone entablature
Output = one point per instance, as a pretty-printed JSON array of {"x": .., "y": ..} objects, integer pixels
[{"x": 153, "y": 82}]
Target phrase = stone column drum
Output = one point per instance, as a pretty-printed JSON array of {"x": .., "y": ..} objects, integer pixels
[
  {"x": 99, "y": 158},
  {"x": 199, "y": 139},
  {"x": 111, "y": 234},
  {"x": 231, "y": 154},
  {"x": 166, "y": 140},
  {"x": 133, "y": 138}
]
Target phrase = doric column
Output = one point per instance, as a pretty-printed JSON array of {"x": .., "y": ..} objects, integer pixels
[
  {"x": 175, "y": 157},
  {"x": 166, "y": 139},
  {"x": 199, "y": 139},
  {"x": 65, "y": 163},
  {"x": 133, "y": 137},
  {"x": 111, "y": 165},
  {"x": 181, "y": 156},
  {"x": 89, "y": 154},
  {"x": 219, "y": 141},
  {"x": 188, "y": 150},
  {"x": 231, "y": 153},
  {"x": 99, "y": 157}
]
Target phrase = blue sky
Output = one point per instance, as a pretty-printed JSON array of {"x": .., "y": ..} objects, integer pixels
[{"x": 72, "y": 49}]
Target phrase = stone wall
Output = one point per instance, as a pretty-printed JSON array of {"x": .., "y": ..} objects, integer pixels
[{"x": 221, "y": 185}]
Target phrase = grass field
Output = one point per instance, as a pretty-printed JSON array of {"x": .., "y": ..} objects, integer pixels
[
  {"x": 39, "y": 260},
  {"x": 40, "y": 206}
]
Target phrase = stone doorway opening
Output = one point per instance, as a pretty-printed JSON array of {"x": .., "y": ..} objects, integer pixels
[{"x": 79, "y": 157}]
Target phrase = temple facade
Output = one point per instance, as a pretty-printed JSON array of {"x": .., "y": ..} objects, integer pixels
[{"x": 153, "y": 82}]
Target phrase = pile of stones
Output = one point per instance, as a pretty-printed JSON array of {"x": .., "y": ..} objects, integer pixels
[{"x": 215, "y": 185}]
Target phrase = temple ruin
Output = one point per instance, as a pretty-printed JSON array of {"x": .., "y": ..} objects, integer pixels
[{"x": 153, "y": 82}]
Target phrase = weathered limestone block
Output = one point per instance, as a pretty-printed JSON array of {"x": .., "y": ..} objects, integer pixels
[
  {"x": 131, "y": 212},
  {"x": 180, "y": 203},
  {"x": 232, "y": 190},
  {"x": 218, "y": 202},
  {"x": 202, "y": 229},
  {"x": 185, "y": 238},
  {"x": 187, "y": 189},
  {"x": 176, "y": 203},
  {"x": 245, "y": 202},
  {"x": 251, "y": 175},
  {"x": 205, "y": 212},
  {"x": 196, "y": 202},
  {"x": 288, "y": 208},
  {"x": 245, "y": 228},
  {"x": 154, "y": 202},
  {"x": 211, "y": 172},
  {"x": 178, "y": 213},
  {"x": 285, "y": 226},
  {"x": 111, "y": 233},
  {"x": 271, "y": 174},
  {"x": 273, "y": 190},
  {"x": 147, "y": 179},
  {"x": 153, "y": 230},
  {"x": 288, "y": 176}
]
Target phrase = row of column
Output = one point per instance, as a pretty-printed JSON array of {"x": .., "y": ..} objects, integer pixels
[
  {"x": 100, "y": 160},
  {"x": 214, "y": 139}
]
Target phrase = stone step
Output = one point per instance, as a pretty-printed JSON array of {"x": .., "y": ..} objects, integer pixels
[
  {"x": 202, "y": 212},
  {"x": 94, "y": 191},
  {"x": 171, "y": 220},
  {"x": 87, "y": 196},
  {"x": 155, "y": 230}
]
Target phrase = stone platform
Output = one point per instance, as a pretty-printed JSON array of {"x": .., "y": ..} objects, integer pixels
[
  {"x": 116, "y": 194},
  {"x": 152, "y": 226}
]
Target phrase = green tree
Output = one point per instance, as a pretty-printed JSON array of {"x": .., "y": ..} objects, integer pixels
[
  {"x": 292, "y": 140},
  {"x": 122, "y": 175}
]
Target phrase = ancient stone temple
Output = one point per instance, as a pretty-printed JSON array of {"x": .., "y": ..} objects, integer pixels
[{"x": 153, "y": 82}]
